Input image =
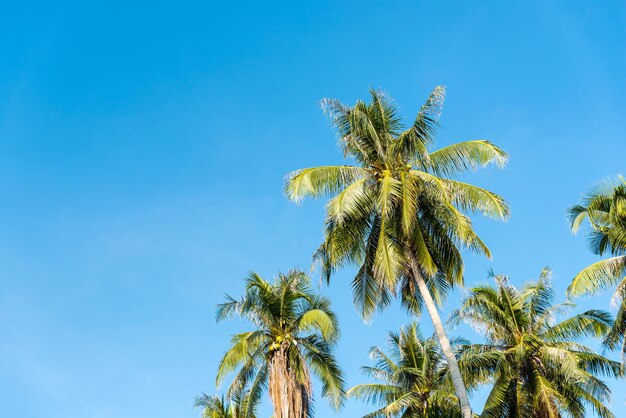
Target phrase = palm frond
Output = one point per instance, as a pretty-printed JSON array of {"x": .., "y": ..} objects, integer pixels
[
  {"x": 592, "y": 323},
  {"x": 466, "y": 157},
  {"x": 321, "y": 181},
  {"x": 477, "y": 200},
  {"x": 598, "y": 276}
]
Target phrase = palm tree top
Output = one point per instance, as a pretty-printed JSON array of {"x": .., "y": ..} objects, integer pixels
[
  {"x": 411, "y": 380},
  {"x": 534, "y": 358},
  {"x": 399, "y": 196},
  {"x": 374, "y": 136},
  {"x": 288, "y": 307},
  {"x": 507, "y": 316},
  {"x": 295, "y": 331}
]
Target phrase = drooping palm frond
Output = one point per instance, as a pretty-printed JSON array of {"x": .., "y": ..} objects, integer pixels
[
  {"x": 599, "y": 276},
  {"x": 295, "y": 334},
  {"x": 321, "y": 181},
  {"x": 604, "y": 208},
  {"x": 465, "y": 157}
]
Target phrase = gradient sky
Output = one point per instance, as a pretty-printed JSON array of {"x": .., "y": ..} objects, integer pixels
[{"x": 143, "y": 147}]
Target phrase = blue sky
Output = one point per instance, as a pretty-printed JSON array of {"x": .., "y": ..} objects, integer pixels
[{"x": 143, "y": 147}]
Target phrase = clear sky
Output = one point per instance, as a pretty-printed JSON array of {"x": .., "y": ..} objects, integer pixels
[{"x": 143, "y": 147}]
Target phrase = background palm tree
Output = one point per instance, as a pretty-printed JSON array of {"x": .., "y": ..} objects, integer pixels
[
  {"x": 396, "y": 213},
  {"x": 604, "y": 207},
  {"x": 538, "y": 368},
  {"x": 414, "y": 379},
  {"x": 295, "y": 331},
  {"x": 218, "y": 407}
]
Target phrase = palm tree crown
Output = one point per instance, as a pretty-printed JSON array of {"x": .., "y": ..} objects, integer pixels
[
  {"x": 605, "y": 209},
  {"x": 398, "y": 196},
  {"x": 537, "y": 366},
  {"x": 295, "y": 332},
  {"x": 413, "y": 377}
]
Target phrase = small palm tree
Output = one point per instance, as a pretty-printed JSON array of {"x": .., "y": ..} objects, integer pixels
[
  {"x": 537, "y": 366},
  {"x": 414, "y": 380},
  {"x": 295, "y": 332},
  {"x": 605, "y": 209},
  {"x": 397, "y": 213},
  {"x": 218, "y": 407}
]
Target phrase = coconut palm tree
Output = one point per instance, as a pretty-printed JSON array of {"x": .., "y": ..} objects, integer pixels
[
  {"x": 218, "y": 407},
  {"x": 294, "y": 335},
  {"x": 605, "y": 209},
  {"x": 413, "y": 379},
  {"x": 396, "y": 212},
  {"x": 537, "y": 366}
]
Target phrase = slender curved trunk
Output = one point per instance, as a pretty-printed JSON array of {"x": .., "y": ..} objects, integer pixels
[{"x": 444, "y": 342}]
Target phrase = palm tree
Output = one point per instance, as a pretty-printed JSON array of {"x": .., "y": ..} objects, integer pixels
[
  {"x": 218, "y": 407},
  {"x": 397, "y": 213},
  {"x": 605, "y": 209},
  {"x": 413, "y": 377},
  {"x": 538, "y": 367},
  {"x": 295, "y": 332}
]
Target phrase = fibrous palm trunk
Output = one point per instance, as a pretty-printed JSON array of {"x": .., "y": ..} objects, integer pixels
[
  {"x": 290, "y": 398},
  {"x": 444, "y": 342}
]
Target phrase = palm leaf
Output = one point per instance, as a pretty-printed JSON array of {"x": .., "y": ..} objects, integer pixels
[
  {"x": 321, "y": 181},
  {"x": 598, "y": 276},
  {"x": 466, "y": 156}
]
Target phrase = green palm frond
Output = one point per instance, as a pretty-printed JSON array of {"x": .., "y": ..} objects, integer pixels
[
  {"x": 321, "y": 181},
  {"x": 592, "y": 323},
  {"x": 388, "y": 262},
  {"x": 599, "y": 276},
  {"x": 477, "y": 200},
  {"x": 466, "y": 157},
  {"x": 318, "y": 320},
  {"x": 412, "y": 144},
  {"x": 356, "y": 201},
  {"x": 241, "y": 350},
  {"x": 325, "y": 367},
  {"x": 376, "y": 393},
  {"x": 618, "y": 332}
]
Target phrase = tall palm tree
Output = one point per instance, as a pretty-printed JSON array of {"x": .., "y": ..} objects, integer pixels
[
  {"x": 413, "y": 377},
  {"x": 396, "y": 212},
  {"x": 218, "y": 407},
  {"x": 605, "y": 209},
  {"x": 538, "y": 367},
  {"x": 295, "y": 332}
]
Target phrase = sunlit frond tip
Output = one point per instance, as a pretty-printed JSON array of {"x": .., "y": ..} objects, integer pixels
[
  {"x": 466, "y": 157},
  {"x": 320, "y": 181}
]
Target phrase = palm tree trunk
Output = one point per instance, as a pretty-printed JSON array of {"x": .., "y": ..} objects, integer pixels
[
  {"x": 444, "y": 342},
  {"x": 290, "y": 398}
]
